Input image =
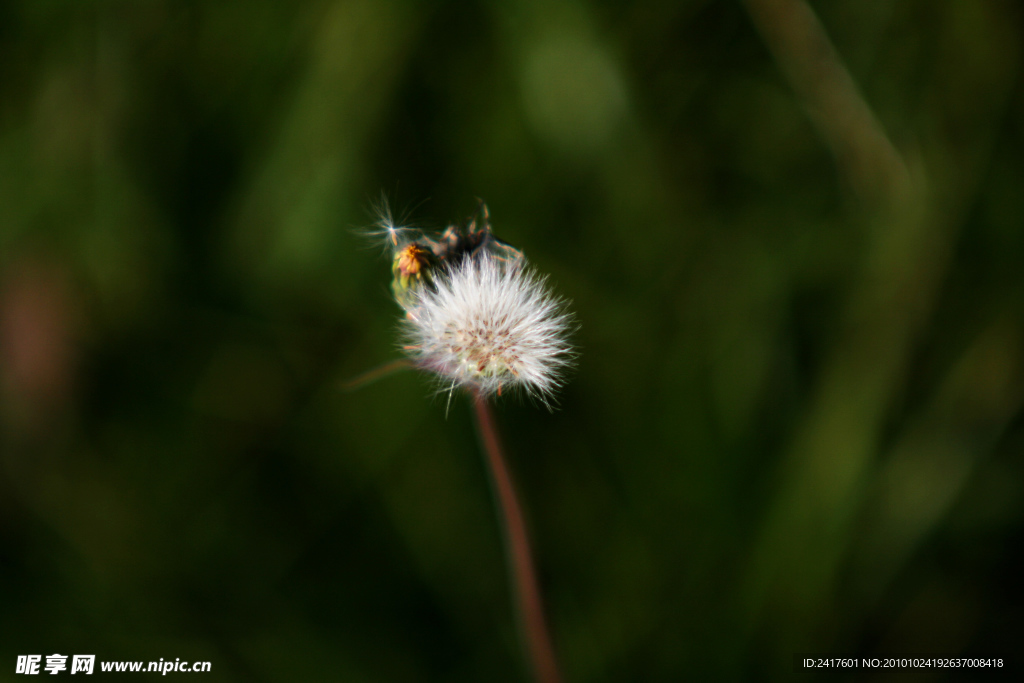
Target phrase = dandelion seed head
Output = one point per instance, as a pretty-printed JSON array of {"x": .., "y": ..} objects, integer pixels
[{"x": 492, "y": 325}]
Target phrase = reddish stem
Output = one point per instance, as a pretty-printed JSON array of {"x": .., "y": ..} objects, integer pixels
[{"x": 517, "y": 546}]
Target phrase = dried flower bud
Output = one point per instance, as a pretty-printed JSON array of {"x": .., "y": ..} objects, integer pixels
[{"x": 412, "y": 270}]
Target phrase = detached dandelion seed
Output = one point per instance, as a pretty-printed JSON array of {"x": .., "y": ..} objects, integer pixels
[{"x": 387, "y": 229}]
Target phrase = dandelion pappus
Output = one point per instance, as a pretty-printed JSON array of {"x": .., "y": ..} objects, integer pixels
[{"x": 388, "y": 231}]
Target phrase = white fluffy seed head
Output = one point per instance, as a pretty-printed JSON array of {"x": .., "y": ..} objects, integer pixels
[{"x": 491, "y": 325}]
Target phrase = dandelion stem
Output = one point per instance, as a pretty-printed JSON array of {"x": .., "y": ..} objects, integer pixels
[{"x": 517, "y": 546}]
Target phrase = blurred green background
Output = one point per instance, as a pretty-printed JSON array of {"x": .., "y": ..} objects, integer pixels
[{"x": 795, "y": 424}]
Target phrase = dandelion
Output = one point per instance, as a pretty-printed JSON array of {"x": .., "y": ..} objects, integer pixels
[
  {"x": 480, "y": 319},
  {"x": 488, "y": 324},
  {"x": 475, "y": 314}
]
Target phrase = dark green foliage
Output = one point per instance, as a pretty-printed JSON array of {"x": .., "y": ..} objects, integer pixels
[{"x": 795, "y": 424}]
